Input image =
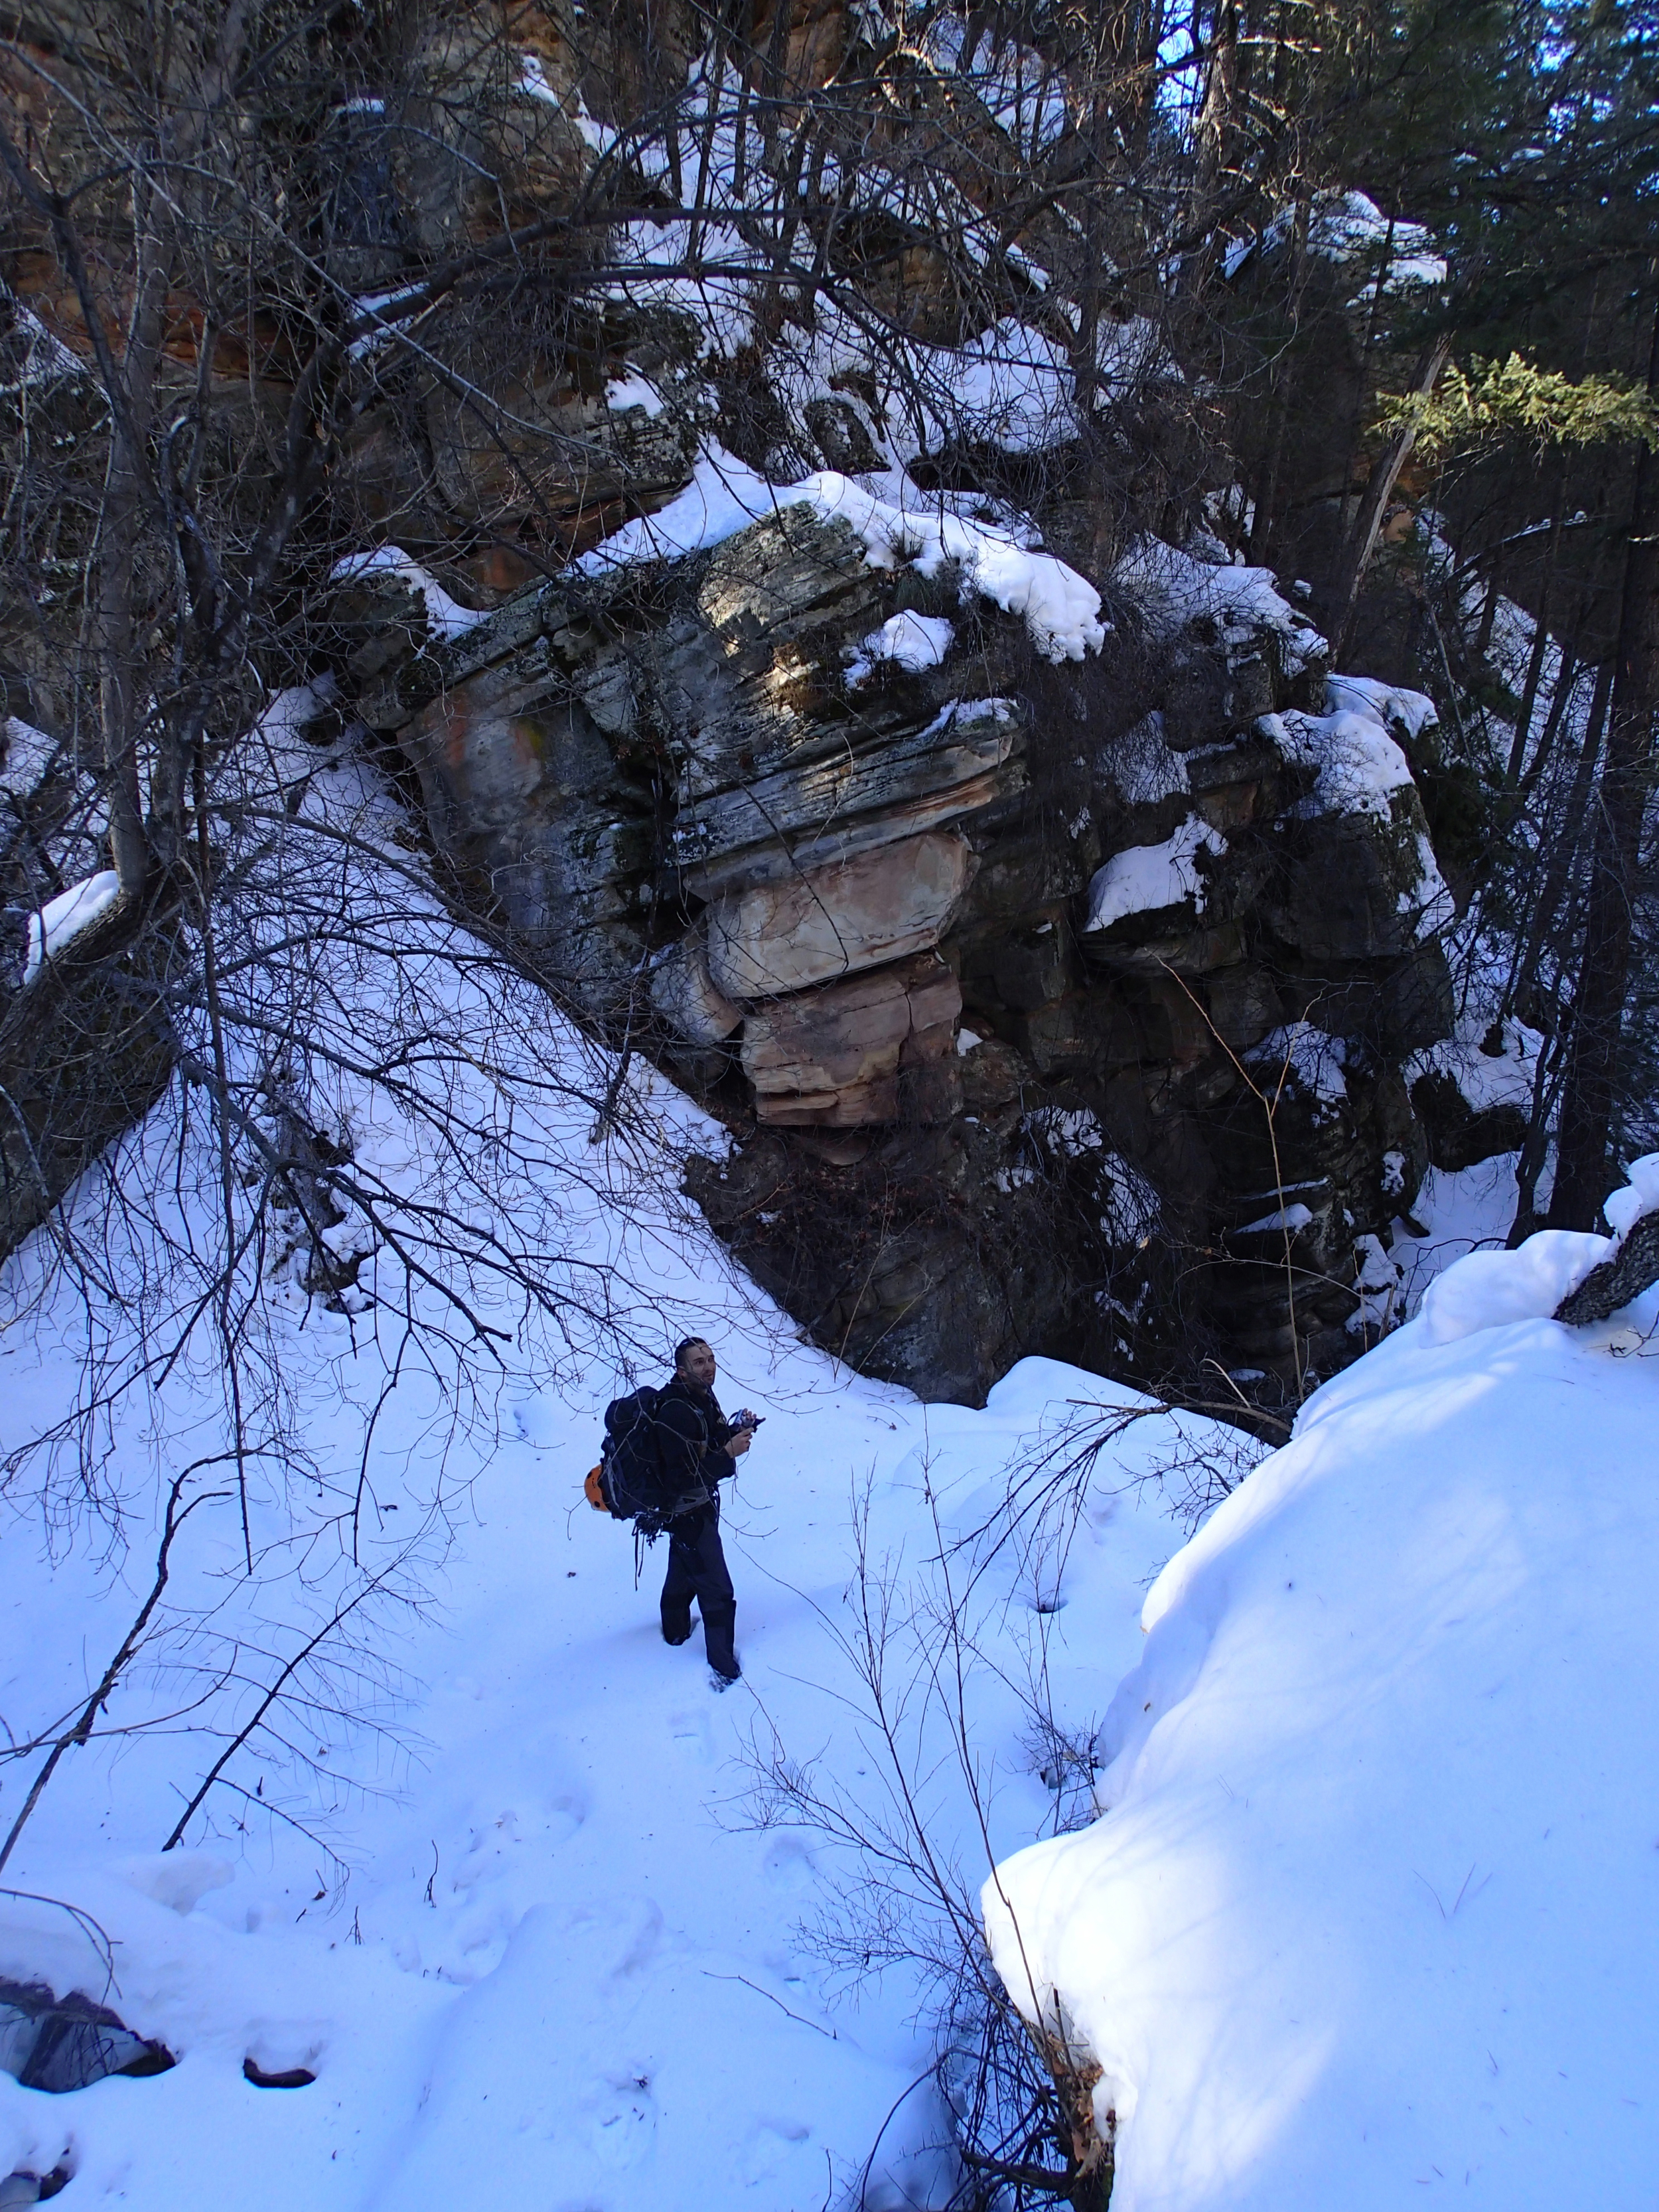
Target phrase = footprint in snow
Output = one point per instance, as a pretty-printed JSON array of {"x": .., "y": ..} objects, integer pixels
[
  {"x": 694, "y": 1730},
  {"x": 773, "y": 2142},
  {"x": 489, "y": 1852},
  {"x": 565, "y": 1815},
  {"x": 532, "y": 1424},
  {"x": 624, "y": 2127},
  {"x": 789, "y": 1863}
]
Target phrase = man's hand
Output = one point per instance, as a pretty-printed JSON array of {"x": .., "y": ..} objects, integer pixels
[{"x": 739, "y": 1441}]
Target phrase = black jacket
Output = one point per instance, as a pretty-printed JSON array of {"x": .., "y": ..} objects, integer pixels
[{"x": 691, "y": 1435}]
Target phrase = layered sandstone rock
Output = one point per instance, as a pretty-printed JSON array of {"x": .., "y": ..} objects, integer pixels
[
  {"x": 687, "y": 997},
  {"x": 523, "y": 790},
  {"x": 773, "y": 827},
  {"x": 1067, "y": 1016},
  {"x": 779, "y": 936},
  {"x": 586, "y": 754},
  {"x": 832, "y": 1057}
]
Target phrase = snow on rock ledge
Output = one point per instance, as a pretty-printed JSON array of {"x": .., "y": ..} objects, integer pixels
[
  {"x": 66, "y": 916},
  {"x": 1062, "y": 610},
  {"x": 1639, "y": 1197},
  {"x": 1473, "y": 1101},
  {"x": 911, "y": 641},
  {"x": 1488, "y": 1290},
  {"x": 445, "y": 617},
  {"x": 1146, "y": 879},
  {"x": 1371, "y": 1913},
  {"x": 1350, "y": 227},
  {"x": 1175, "y": 589}
]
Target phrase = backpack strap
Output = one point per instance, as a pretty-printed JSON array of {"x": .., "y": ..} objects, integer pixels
[{"x": 682, "y": 1444}]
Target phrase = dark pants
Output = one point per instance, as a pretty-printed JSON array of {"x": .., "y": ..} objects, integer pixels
[{"x": 697, "y": 1569}]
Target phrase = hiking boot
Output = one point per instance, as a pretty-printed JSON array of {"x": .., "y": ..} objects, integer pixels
[
  {"x": 720, "y": 1681},
  {"x": 719, "y": 1641},
  {"x": 677, "y": 1628}
]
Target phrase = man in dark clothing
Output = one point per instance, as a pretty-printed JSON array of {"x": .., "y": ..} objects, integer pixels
[{"x": 700, "y": 1448}]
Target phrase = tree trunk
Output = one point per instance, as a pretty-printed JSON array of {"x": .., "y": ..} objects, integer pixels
[
  {"x": 1564, "y": 847},
  {"x": 1367, "y": 527},
  {"x": 1580, "y": 1174},
  {"x": 1566, "y": 680},
  {"x": 1284, "y": 377},
  {"x": 1218, "y": 116},
  {"x": 1488, "y": 613},
  {"x": 1541, "y": 641},
  {"x": 127, "y": 495},
  {"x": 1525, "y": 986}
]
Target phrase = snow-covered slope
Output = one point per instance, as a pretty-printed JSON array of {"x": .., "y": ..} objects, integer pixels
[
  {"x": 1372, "y": 1913},
  {"x": 493, "y": 1872},
  {"x": 564, "y": 1968},
  {"x": 1371, "y": 1904}
]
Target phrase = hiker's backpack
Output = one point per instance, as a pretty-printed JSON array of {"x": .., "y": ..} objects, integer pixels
[{"x": 630, "y": 1480}]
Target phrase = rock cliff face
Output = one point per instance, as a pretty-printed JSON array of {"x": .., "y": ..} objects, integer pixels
[
  {"x": 1051, "y": 1007},
  {"x": 1054, "y": 967}
]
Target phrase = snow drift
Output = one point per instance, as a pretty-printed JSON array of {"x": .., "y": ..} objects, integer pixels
[{"x": 1371, "y": 1907}]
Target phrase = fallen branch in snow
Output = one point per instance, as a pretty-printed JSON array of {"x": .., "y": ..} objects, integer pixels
[
  {"x": 1050, "y": 2180},
  {"x": 817, "y": 2026},
  {"x": 175, "y": 1520},
  {"x": 271, "y": 1698},
  {"x": 1634, "y": 1268}
]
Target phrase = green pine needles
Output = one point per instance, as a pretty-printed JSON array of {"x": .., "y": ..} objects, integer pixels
[{"x": 1493, "y": 400}]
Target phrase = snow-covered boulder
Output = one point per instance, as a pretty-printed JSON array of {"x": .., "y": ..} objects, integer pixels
[
  {"x": 1154, "y": 879},
  {"x": 1364, "y": 883},
  {"x": 1473, "y": 1090}
]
